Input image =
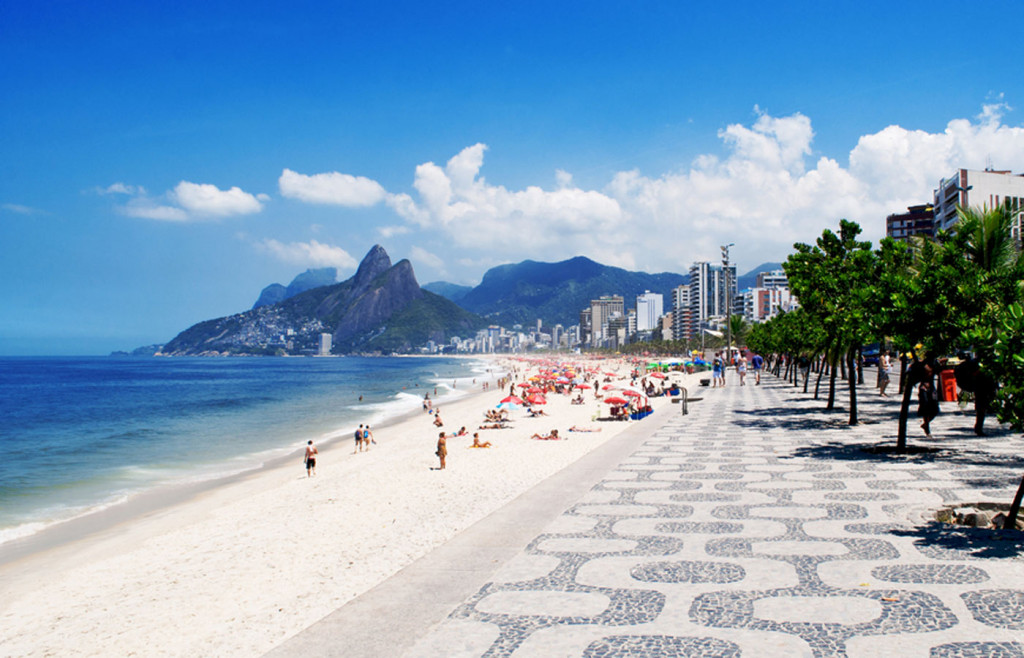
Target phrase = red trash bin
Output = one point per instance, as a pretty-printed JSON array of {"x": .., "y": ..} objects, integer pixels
[{"x": 947, "y": 385}]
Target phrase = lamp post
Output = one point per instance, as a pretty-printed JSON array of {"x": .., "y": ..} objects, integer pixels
[{"x": 728, "y": 306}]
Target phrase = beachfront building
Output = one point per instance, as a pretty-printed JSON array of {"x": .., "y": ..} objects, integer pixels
[
  {"x": 586, "y": 326},
  {"x": 710, "y": 288},
  {"x": 601, "y": 310},
  {"x": 649, "y": 309},
  {"x": 665, "y": 328},
  {"x": 918, "y": 220},
  {"x": 680, "y": 312},
  {"x": 971, "y": 188},
  {"x": 772, "y": 279},
  {"x": 325, "y": 345},
  {"x": 762, "y": 304}
]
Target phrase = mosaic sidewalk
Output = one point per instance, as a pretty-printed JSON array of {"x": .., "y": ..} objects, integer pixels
[{"x": 758, "y": 525}]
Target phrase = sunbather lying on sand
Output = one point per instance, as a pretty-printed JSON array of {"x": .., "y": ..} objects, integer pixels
[
  {"x": 550, "y": 437},
  {"x": 584, "y": 429},
  {"x": 495, "y": 426}
]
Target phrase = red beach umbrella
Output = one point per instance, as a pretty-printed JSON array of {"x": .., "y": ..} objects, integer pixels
[
  {"x": 657, "y": 375},
  {"x": 632, "y": 394},
  {"x": 537, "y": 399},
  {"x": 512, "y": 399},
  {"x": 615, "y": 401},
  {"x": 587, "y": 386}
]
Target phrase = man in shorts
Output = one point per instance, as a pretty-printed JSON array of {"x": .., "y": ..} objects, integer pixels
[
  {"x": 756, "y": 363},
  {"x": 359, "y": 440},
  {"x": 310, "y": 458}
]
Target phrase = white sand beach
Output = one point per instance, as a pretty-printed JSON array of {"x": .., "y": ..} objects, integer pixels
[{"x": 241, "y": 567}]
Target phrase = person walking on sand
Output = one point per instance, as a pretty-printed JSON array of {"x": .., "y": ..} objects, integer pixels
[
  {"x": 359, "y": 440},
  {"x": 442, "y": 449},
  {"x": 310, "y": 458},
  {"x": 368, "y": 437}
]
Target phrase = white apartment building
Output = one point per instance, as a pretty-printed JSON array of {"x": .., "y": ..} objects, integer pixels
[
  {"x": 970, "y": 188},
  {"x": 649, "y": 309},
  {"x": 710, "y": 287}
]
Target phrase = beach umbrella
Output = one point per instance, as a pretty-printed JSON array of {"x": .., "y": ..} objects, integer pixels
[
  {"x": 615, "y": 401},
  {"x": 507, "y": 405},
  {"x": 631, "y": 393},
  {"x": 512, "y": 399},
  {"x": 607, "y": 387},
  {"x": 525, "y": 385},
  {"x": 537, "y": 399},
  {"x": 587, "y": 386},
  {"x": 657, "y": 375}
]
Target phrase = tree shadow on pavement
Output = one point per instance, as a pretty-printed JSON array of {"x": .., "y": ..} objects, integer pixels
[{"x": 945, "y": 541}]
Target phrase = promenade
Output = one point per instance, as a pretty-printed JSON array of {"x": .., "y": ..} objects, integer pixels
[{"x": 756, "y": 525}]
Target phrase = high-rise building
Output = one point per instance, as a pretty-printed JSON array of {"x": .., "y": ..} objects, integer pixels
[
  {"x": 649, "y": 308},
  {"x": 680, "y": 312},
  {"x": 772, "y": 279},
  {"x": 325, "y": 345},
  {"x": 600, "y": 311},
  {"x": 709, "y": 289},
  {"x": 970, "y": 188},
  {"x": 918, "y": 220}
]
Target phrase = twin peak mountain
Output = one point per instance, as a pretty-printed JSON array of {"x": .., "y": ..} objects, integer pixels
[{"x": 382, "y": 309}]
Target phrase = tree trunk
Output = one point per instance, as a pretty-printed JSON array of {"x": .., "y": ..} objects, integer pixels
[
  {"x": 831, "y": 387},
  {"x": 807, "y": 375},
  {"x": 860, "y": 364},
  {"x": 817, "y": 384},
  {"x": 903, "y": 371},
  {"x": 853, "y": 387},
  {"x": 1011, "y": 516},
  {"x": 907, "y": 386}
]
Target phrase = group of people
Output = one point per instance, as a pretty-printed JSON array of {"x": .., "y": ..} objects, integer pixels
[{"x": 719, "y": 365}]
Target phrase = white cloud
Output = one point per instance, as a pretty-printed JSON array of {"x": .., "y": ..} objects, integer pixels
[
  {"x": 208, "y": 200},
  {"x": 186, "y": 202},
  {"x": 20, "y": 209},
  {"x": 764, "y": 191},
  {"x": 121, "y": 188},
  {"x": 331, "y": 188},
  {"x": 391, "y": 231},
  {"x": 311, "y": 254},
  {"x": 421, "y": 256}
]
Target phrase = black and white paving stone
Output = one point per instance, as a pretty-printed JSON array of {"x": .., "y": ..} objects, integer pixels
[{"x": 758, "y": 525}]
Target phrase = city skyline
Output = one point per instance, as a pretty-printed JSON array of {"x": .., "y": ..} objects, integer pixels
[{"x": 164, "y": 164}]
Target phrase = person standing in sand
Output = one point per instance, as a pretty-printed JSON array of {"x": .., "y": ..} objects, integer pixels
[
  {"x": 359, "y": 439},
  {"x": 310, "y": 458},
  {"x": 442, "y": 449}
]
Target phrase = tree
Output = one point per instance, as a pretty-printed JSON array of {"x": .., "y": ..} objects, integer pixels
[{"x": 833, "y": 281}]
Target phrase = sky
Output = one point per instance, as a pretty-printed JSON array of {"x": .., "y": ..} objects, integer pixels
[{"x": 160, "y": 163}]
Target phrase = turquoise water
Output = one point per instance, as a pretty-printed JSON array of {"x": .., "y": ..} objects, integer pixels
[{"x": 80, "y": 434}]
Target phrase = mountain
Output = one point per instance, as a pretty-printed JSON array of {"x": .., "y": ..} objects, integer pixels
[
  {"x": 451, "y": 291},
  {"x": 276, "y": 293},
  {"x": 557, "y": 292},
  {"x": 749, "y": 280},
  {"x": 380, "y": 309}
]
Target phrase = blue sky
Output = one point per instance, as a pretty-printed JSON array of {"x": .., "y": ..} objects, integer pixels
[{"x": 162, "y": 162}]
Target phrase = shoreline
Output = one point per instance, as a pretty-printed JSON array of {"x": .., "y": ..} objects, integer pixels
[
  {"x": 239, "y": 567},
  {"x": 105, "y": 516}
]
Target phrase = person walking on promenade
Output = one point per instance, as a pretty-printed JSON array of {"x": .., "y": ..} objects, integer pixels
[
  {"x": 757, "y": 363},
  {"x": 741, "y": 369},
  {"x": 442, "y": 449},
  {"x": 927, "y": 404},
  {"x": 884, "y": 367},
  {"x": 717, "y": 365},
  {"x": 310, "y": 458}
]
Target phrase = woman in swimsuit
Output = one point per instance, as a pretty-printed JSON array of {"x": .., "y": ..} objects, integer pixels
[{"x": 442, "y": 449}]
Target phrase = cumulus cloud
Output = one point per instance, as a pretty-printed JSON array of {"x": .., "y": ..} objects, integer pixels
[
  {"x": 310, "y": 254},
  {"x": 421, "y": 256},
  {"x": 209, "y": 200},
  {"x": 186, "y": 202},
  {"x": 764, "y": 191},
  {"x": 331, "y": 188}
]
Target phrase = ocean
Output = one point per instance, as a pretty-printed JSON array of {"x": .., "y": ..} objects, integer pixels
[{"x": 78, "y": 435}]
